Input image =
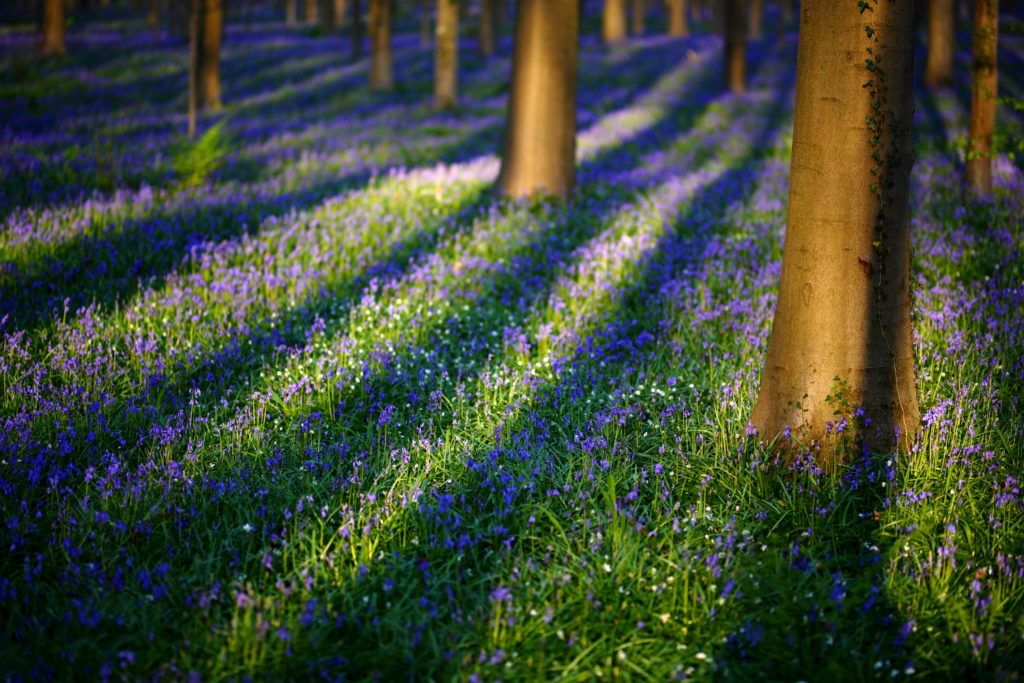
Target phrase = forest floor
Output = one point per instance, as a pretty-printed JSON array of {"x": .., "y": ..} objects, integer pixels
[{"x": 302, "y": 399}]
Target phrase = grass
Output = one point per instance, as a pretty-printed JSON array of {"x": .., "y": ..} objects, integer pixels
[{"x": 330, "y": 409}]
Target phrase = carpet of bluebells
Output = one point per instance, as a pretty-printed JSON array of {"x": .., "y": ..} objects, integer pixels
[{"x": 303, "y": 399}]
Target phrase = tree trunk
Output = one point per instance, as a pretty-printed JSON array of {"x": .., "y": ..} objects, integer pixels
[
  {"x": 446, "y": 54},
  {"x": 639, "y": 16},
  {"x": 677, "y": 18},
  {"x": 487, "y": 27},
  {"x": 841, "y": 338},
  {"x": 312, "y": 14},
  {"x": 153, "y": 18},
  {"x": 338, "y": 9},
  {"x": 787, "y": 13},
  {"x": 983, "y": 96},
  {"x": 211, "y": 28},
  {"x": 291, "y": 12},
  {"x": 357, "y": 30},
  {"x": 425, "y": 32},
  {"x": 756, "y": 19},
  {"x": 938, "y": 70},
  {"x": 735, "y": 47},
  {"x": 53, "y": 28},
  {"x": 613, "y": 21},
  {"x": 326, "y": 16},
  {"x": 194, "y": 10},
  {"x": 382, "y": 75},
  {"x": 539, "y": 153}
]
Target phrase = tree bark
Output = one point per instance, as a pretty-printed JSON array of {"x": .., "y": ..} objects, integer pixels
[
  {"x": 539, "y": 152},
  {"x": 756, "y": 19},
  {"x": 613, "y": 21},
  {"x": 53, "y": 28},
  {"x": 984, "y": 89},
  {"x": 639, "y": 16},
  {"x": 312, "y": 12},
  {"x": 677, "y": 25},
  {"x": 382, "y": 75},
  {"x": 291, "y": 12},
  {"x": 446, "y": 54},
  {"x": 841, "y": 338},
  {"x": 194, "y": 10},
  {"x": 938, "y": 70},
  {"x": 735, "y": 47},
  {"x": 357, "y": 30},
  {"x": 487, "y": 27},
  {"x": 211, "y": 29},
  {"x": 787, "y": 13}
]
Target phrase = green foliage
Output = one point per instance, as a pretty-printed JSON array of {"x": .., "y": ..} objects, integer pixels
[{"x": 195, "y": 161}]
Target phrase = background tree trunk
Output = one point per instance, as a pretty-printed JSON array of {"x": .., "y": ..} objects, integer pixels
[
  {"x": 984, "y": 89},
  {"x": 938, "y": 70},
  {"x": 613, "y": 21},
  {"x": 677, "y": 18},
  {"x": 357, "y": 30},
  {"x": 735, "y": 46},
  {"x": 153, "y": 18},
  {"x": 639, "y": 12},
  {"x": 382, "y": 76},
  {"x": 787, "y": 13},
  {"x": 844, "y": 303},
  {"x": 53, "y": 28},
  {"x": 211, "y": 29},
  {"x": 291, "y": 12},
  {"x": 425, "y": 32},
  {"x": 487, "y": 27},
  {"x": 312, "y": 13},
  {"x": 446, "y": 54},
  {"x": 194, "y": 10},
  {"x": 539, "y": 153},
  {"x": 756, "y": 19}
]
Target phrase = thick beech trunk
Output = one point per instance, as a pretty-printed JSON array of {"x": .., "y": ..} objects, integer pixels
[
  {"x": 639, "y": 16},
  {"x": 446, "y": 54},
  {"x": 983, "y": 96},
  {"x": 382, "y": 75},
  {"x": 211, "y": 28},
  {"x": 842, "y": 330},
  {"x": 487, "y": 27},
  {"x": 735, "y": 46},
  {"x": 677, "y": 18},
  {"x": 613, "y": 21},
  {"x": 539, "y": 152},
  {"x": 938, "y": 69},
  {"x": 53, "y": 28}
]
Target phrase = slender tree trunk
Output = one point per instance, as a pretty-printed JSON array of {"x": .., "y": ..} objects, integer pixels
[
  {"x": 446, "y": 54},
  {"x": 639, "y": 16},
  {"x": 153, "y": 18},
  {"x": 697, "y": 10},
  {"x": 291, "y": 12},
  {"x": 756, "y": 19},
  {"x": 338, "y": 9},
  {"x": 677, "y": 25},
  {"x": 357, "y": 30},
  {"x": 425, "y": 32},
  {"x": 53, "y": 28},
  {"x": 211, "y": 29},
  {"x": 382, "y": 75},
  {"x": 326, "y": 16},
  {"x": 613, "y": 21},
  {"x": 194, "y": 10},
  {"x": 938, "y": 70},
  {"x": 312, "y": 13},
  {"x": 539, "y": 152},
  {"x": 735, "y": 47},
  {"x": 787, "y": 13},
  {"x": 841, "y": 338},
  {"x": 984, "y": 89},
  {"x": 487, "y": 27}
]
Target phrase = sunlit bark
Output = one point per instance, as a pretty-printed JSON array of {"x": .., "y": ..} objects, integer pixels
[
  {"x": 539, "y": 153},
  {"x": 677, "y": 25},
  {"x": 381, "y": 68},
  {"x": 613, "y": 21},
  {"x": 446, "y": 54},
  {"x": 938, "y": 69},
  {"x": 841, "y": 337},
  {"x": 53, "y": 28}
]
